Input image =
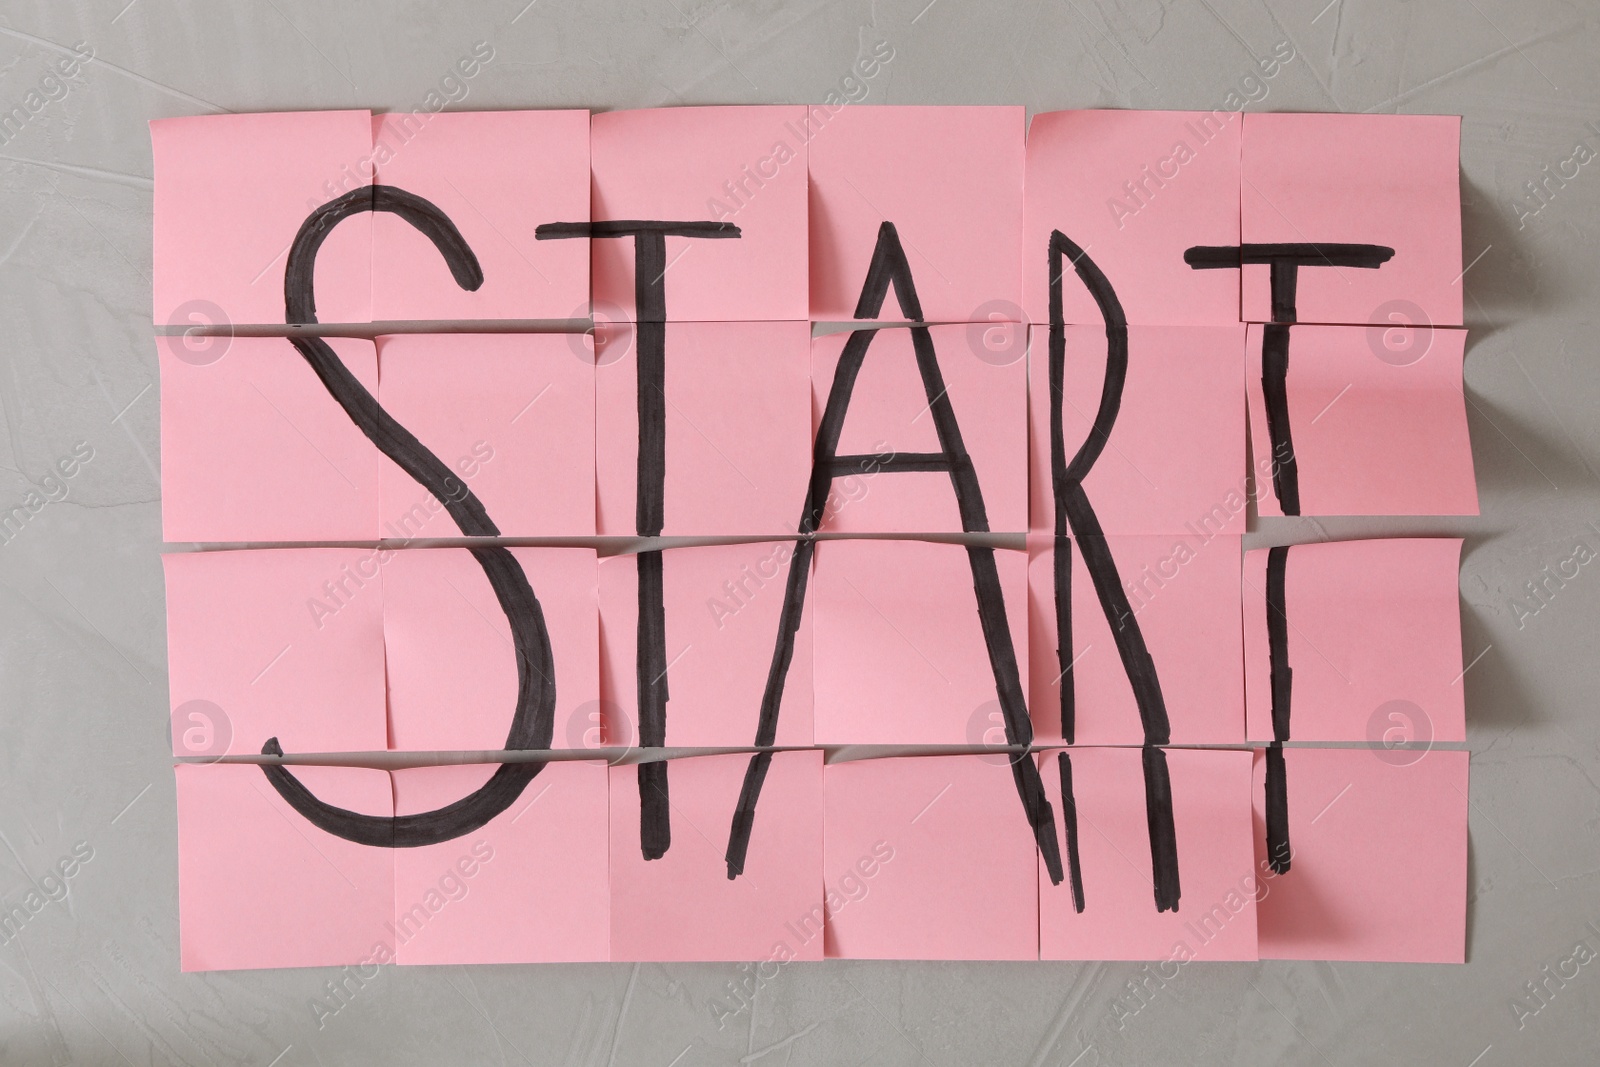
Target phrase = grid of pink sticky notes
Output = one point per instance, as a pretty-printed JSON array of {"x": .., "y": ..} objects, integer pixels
[{"x": 953, "y": 424}]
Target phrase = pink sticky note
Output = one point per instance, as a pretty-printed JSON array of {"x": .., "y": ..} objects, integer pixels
[
  {"x": 1133, "y": 190},
  {"x": 724, "y": 609},
  {"x": 1175, "y": 456},
  {"x": 254, "y": 448},
  {"x": 511, "y": 415},
  {"x": 1389, "y": 180},
  {"x": 900, "y": 652},
  {"x": 259, "y": 886},
  {"x": 232, "y": 191},
  {"x": 284, "y": 643},
  {"x": 743, "y": 166},
  {"x": 1218, "y": 875},
  {"x": 452, "y": 662},
  {"x": 1376, "y": 423},
  {"x": 982, "y": 385},
  {"x": 928, "y": 858},
  {"x": 530, "y": 886},
  {"x": 1378, "y": 858},
  {"x": 496, "y": 175},
  {"x": 737, "y": 429},
  {"x": 683, "y": 906},
  {"x": 1182, "y": 599},
  {"x": 1372, "y": 641},
  {"x": 948, "y": 178}
]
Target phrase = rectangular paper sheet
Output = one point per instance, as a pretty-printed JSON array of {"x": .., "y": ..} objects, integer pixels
[
  {"x": 684, "y": 906},
  {"x": 1376, "y": 422},
  {"x": 282, "y": 643},
  {"x": 254, "y": 448},
  {"x": 496, "y": 175},
  {"x": 950, "y": 181},
  {"x": 737, "y": 420},
  {"x": 1372, "y": 641},
  {"x": 451, "y": 663},
  {"x": 1378, "y": 867},
  {"x": 723, "y": 609},
  {"x": 231, "y": 193},
  {"x": 1174, "y": 457},
  {"x": 1390, "y": 180},
  {"x": 900, "y": 653},
  {"x": 1133, "y": 190},
  {"x": 982, "y": 381},
  {"x": 259, "y": 886},
  {"x": 929, "y": 858},
  {"x": 743, "y": 166},
  {"x": 511, "y": 415},
  {"x": 1219, "y": 875},
  {"x": 530, "y": 886},
  {"x": 1182, "y": 599}
]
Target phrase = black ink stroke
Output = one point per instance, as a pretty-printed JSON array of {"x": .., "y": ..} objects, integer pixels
[
  {"x": 533, "y": 719},
  {"x": 1275, "y": 399},
  {"x": 1072, "y": 507},
  {"x": 1278, "y": 638},
  {"x": 1163, "y": 835},
  {"x": 650, "y": 666},
  {"x": 1281, "y": 679},
  {"x": 1285, "y": 259},
  {"x": 1069, "y": 821},
  {"x": 1277, "y": 791},
  {"x": 1074, "y": 511},
  {"x": 1284, "y": 262},
  {"x": 889, "y": 267},
  {"x": 1061, "y": 556},
  {"x": 1061, "y": 574}
]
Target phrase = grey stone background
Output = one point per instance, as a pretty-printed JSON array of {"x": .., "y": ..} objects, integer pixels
[{"x": 94, "y": 978}]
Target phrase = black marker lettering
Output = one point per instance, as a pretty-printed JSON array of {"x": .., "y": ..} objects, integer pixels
[
  {"x": 650, "y": 666},
  {"x": 1163, "y": 836},
  {"x": 1061, "y": 572},
  {"x": 1073, "y": 510},
  {"x": 1275, "y": 398},
  {"x": 1284, "y": 262},
  {"x": 1069, "y": 820},
  {"x": 889, "y": 267},
  {"x": 1277, "y": 789},
  {"x": 532, "y": 721},
  {"x": 1281, "y": 678}
]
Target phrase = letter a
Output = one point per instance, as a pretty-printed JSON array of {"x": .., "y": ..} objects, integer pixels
[{"x": 889, "y": 267}]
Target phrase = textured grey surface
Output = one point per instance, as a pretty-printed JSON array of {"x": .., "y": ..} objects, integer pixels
[{"x": 94, "y": 977}]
